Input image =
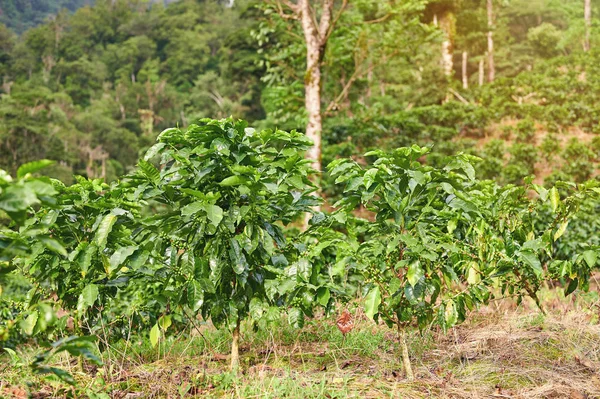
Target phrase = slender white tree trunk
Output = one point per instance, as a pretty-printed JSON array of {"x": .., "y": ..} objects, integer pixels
[
  {"x": 446, "y": 24},
  {"x": 316, "y": 39},
  {"x": 587, "y": 15},
  {"x": 490, "y": 16},
  {"x": 315, "y": 36},
  {"x": 465, "y": 78},
  {"x": 481, "y": 72}
]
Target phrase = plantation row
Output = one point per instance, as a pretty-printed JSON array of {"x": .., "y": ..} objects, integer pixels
[{"x": 200, "y": 229}]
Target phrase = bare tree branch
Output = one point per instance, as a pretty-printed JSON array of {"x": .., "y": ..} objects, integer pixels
[
  {"x": 355, "y": 75},
  {"x": 335, "y": 20},
  {"x": 380, "y": 19},
  {"x": 358, "y": 73},
  {"x": 458, "y": 96},
  {"x": 293, "y": 7}
]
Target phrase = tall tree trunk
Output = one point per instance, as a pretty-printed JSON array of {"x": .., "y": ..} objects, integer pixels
[
  {"x": 447, "y": 25},
  {"x": 465, "y": 78},
  {"x": 316, "y": 33},
  {"x": 587, "y": 15},
  {"x": 490, "y": 16},
  {"x": 481, "y": 72},
  {"x": 315, "y": 38}
]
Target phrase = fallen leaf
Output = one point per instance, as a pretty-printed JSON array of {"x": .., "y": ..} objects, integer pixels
[{"x": 345, "y": 323}]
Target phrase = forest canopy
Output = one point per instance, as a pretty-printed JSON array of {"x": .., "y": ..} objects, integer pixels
[{"x": 92, "y": 87}]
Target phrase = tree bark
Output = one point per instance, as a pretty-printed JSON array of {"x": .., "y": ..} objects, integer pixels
[
  {"x": 405, "y": 356},
  {"x": 587, "y": 15},
  {"x": 481, "y": 72},
  {"x": 490, "y": 16},
  {"x": 316, "y": 39},
  {"x": 447, "y": 25},
  {"x": 316, "y": 33},
  {"x": 465, "y": 78},
  {"x": 235, "y": 348}
]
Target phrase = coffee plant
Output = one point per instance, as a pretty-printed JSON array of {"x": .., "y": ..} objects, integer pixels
[
  {"x": 19, "y": 199},
  {"x": 98, "y": 229},
  {"x": 225, "y": 191},
  {"x": 441, "y": 242},
  {"x": 204, "y": 227}
]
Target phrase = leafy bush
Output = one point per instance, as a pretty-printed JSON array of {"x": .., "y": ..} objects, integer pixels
[
  {"x": 436, "y": 242},
  {"x": 550, "y": 146},
  {"x": 493, "y": 160},
  {"x": 522, "y": 163},
  {"x": 545, "y": 39},
  {"x": 226, "y": 191},
  {"x": 97, "y": 226},
  {"x": 441, "y": 240},
  {"x": 525, "y": 130},
  {"x": 578, "y": 161}
]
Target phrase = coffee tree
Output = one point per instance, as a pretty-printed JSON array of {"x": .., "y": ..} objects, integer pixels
[
  {"x": 414, "y": 259},
  {"x": 575, "y": 250},
  {"x": 97, "y": 228},
  {"x": 442, "y": 242},
  {"x": 224, "y": 192},
  {"x": 19, "y": 200}
]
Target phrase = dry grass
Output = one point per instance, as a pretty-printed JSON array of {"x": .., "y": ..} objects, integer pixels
[{"x": 502, "y": 351}]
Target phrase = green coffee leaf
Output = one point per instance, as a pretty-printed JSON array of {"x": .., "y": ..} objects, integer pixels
[
  {"x": 165, "y": 322},
  {"x": 561, "y": 230},
  {"x": 33, "y": 167},
  {"x": 450, "y": 314},
  {"x": 120, "y": 255},
  {"x": 54, "y": 246},
  {"x": 154, "y": 335},
  {"x": 372, "y": 302},
  {"x": 88, "y": 297},
  {"x": 296, "y": 317},
  {"x": 531, "y": 259},
  {"x": 554, "y": 199},
  {"x": 104, "y": 230},
  {"x": 590, "y": 257},
  {"x": 414, "y": 273},
  {"x": 214, "y": 214},
  {"x": 323, "y": 296},
  {"x": 28, "y": 324}
]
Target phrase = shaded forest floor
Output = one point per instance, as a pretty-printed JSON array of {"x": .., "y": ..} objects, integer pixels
[{"x": 501, "y": 351}]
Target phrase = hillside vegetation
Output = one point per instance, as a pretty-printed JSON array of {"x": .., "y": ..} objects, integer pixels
[
  {"x": 93, "y": 89},
  {"x": 24, "y": 14},
  {"x": 309, "y": 198}
]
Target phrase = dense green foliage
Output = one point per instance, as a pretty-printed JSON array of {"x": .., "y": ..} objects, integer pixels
[
  {"x": 222, "y": 194},
  {"x": 91, "y": 90},
  {"x": 438, "y": 242},
  {"x": 24, "y": 14},
  {"x": 465, "y": 192},
  {"x": 16, "y": 201},
  {"x": 443, "y": 242}
]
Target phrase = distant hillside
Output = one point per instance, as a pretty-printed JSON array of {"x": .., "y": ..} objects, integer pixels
[{"x": 20, "y": 15}]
